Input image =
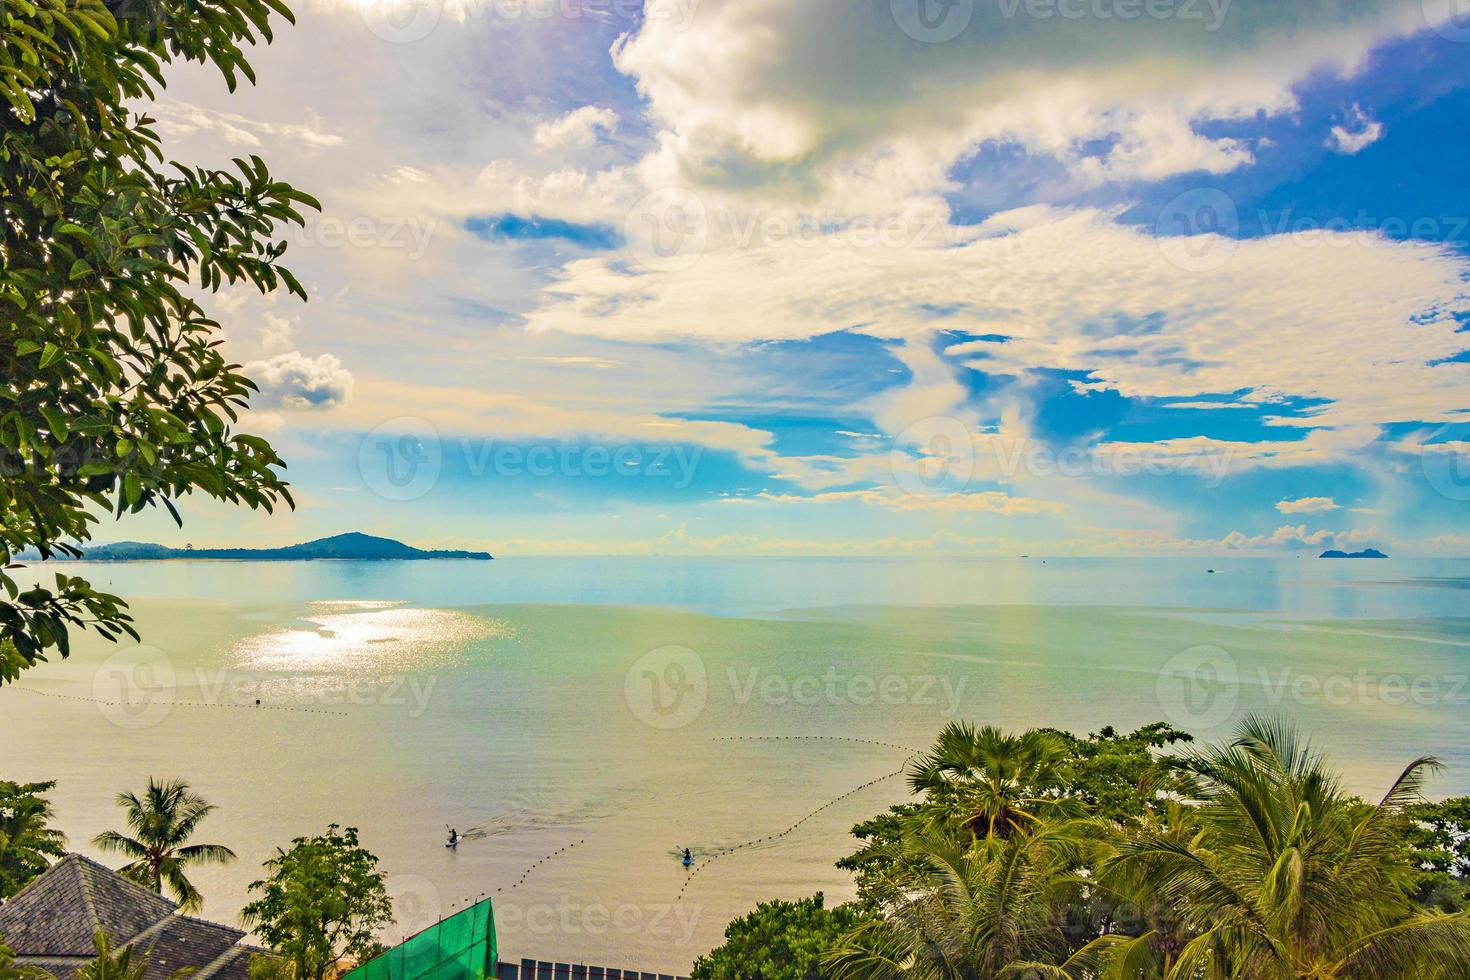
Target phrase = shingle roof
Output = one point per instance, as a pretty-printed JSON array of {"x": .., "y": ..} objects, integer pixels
[{"x": 50, "y": 923}]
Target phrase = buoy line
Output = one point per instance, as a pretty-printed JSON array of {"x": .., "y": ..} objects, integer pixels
[
  {"x": 186, "y": 704},
  {"x": 813, "y": 738},
  {"x": 525, "y": 874},
  {"x": 724, "y": 851}
]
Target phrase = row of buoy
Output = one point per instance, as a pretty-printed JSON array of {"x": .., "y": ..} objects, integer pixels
[
  {"x": 257, "y": 706},
  {"x": 812, "y": 738},
  {"x": 775, "y": 837},
  {"x": 527, "y": 873}
]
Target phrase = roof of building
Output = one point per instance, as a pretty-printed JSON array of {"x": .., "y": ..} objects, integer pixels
[{"x": 50, "y": 923}]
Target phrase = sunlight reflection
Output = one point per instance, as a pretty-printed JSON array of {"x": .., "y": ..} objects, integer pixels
[{"x": 376, "y": 635}]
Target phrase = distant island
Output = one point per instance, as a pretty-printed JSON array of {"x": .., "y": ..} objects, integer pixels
[
  {"x": 1366, "y": 553},
  {"x": 353, "y": 546}
]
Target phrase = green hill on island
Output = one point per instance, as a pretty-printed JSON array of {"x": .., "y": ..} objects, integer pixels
[{"x": 353, "y": 546}]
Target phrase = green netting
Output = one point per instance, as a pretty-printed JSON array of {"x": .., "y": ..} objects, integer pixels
[{"x": 461, "y": 947}]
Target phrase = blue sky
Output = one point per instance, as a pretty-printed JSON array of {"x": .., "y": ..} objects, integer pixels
[{"x": 749, "y": 277}]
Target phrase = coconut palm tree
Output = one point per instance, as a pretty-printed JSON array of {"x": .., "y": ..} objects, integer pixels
[
  {"x": 27, "y": 844},
  {"x": 962, "y": 907},
  {"x": 1288, "y": 875},
  {"x": 995, "y": 783},
  {"x": 162, "y": 823}
]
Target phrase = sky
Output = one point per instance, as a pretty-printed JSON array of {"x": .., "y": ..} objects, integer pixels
[{"x": 869, "y": 277}]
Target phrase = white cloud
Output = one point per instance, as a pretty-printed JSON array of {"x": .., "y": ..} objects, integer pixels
[
  {"x": 178, "y": 120},
  {"x": 809, "y": 95},
  {"x": 295, "y": 381},
  {"x": 1307, "y": 505},
  {"x": 578, "y": 128},
  {"x": 1356, "y": 135}
]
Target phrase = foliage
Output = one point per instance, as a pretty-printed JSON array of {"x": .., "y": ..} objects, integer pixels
[
  {"x": 323, "y": 902},
  {"x": 27, "y": 844},
  {"x": 1438, "y": 838},
  {"x": 969, "y": 907},
  {"x": 994, "y": 783},
  {"x": 778, "y": 941},
  {"x": 117, "y": 396},
  {"x": 1288, "y": 876},
  {"x": 110, "y": 964},
  {"x": 1119, "y": 777},
  {"x": 9, "y": 971},
  {"x": 162, "y": 822}
]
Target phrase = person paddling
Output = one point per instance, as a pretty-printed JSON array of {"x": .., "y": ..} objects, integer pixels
[
  {"x": 688, "y": 858},
  {"x": 453, "y": 838}
]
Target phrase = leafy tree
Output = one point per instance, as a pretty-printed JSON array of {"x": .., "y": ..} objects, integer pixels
[
  {"x": 997, "y": 784},
  {"x": 963, "y": 907},
  {"x": 117, "y": 395},
  {"x": 162, "y": 822},
  {"x": 1119, "y": 777},
  {"x": 778, "y": 941},
  {"x": 324, "y": 902},
  {"x": 1438, "y": 838},
  {"x": 8, "y": 969},
  {"x": 27, "y": 844},
  {"x": 1288, "y": 875}
]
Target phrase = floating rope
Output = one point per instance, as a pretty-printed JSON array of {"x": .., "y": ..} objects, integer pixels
[
  {"x": 722, "y": 852},
  {"x": 813, "y": 738},
  {"x": 527, "y": 873},
  {"x": 188, "y": 704}
]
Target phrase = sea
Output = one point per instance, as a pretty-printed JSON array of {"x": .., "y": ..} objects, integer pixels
[{"x": 581, "y": 721}]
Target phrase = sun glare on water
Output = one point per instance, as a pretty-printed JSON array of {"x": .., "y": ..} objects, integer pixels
[{"x": 368, "y": 635}]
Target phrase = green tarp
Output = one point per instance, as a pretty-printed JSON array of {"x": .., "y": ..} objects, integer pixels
[{"x": 461, "y": 947}]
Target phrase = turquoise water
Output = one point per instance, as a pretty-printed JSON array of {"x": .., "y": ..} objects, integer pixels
[{"x": 594, "y": 716}]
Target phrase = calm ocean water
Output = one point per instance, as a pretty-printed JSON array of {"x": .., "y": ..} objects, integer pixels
[{"x": 594, "y": 716}]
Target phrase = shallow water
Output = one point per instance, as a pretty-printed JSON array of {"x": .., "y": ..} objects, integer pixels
[{"x": 595, "y": 716}]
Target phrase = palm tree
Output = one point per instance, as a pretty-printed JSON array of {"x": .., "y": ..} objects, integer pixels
[
  {"x": 162, "y": 822},
  {"x": 962, "y": 907},
  {"x": 27, "y": 844},
  {"x": 994, "y": 783},
  {"x": 110, "y": 964},
  {"x": 1288, "y": 876}
]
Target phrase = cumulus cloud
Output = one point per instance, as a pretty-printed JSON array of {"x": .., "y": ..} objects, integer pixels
[
  {"x": 1355, "y": 135},
  {"x": 1368, "y": 322},
  {"x": 761, "y": 92},
  {"x": 578, "y": 128},
  {"x": 177, "y": 120},
  {"x": 1307, "y": 505},
  {"x": 296, "y": 381}
]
